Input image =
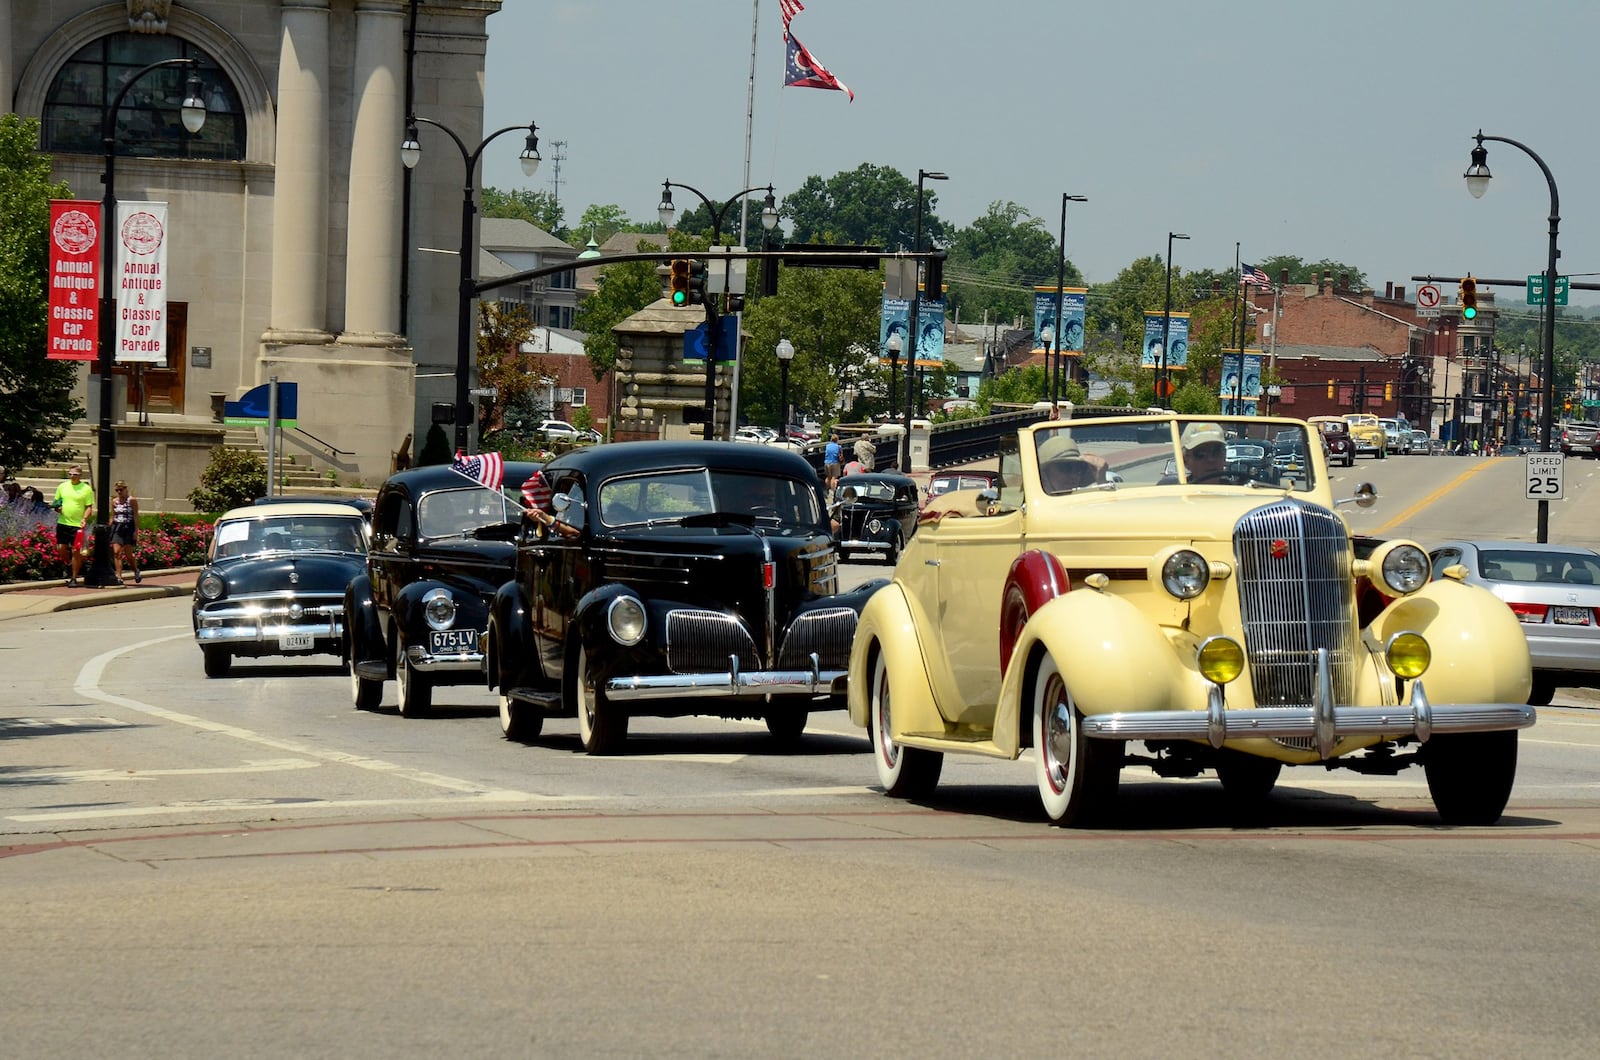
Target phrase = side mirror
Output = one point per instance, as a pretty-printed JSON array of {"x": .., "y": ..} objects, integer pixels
[{"x": 1366, "y": 496}]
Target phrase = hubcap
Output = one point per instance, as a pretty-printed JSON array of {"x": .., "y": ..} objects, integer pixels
[
  {"x": 1055, "y": 741},
  {"x": 887, "y": 747}
]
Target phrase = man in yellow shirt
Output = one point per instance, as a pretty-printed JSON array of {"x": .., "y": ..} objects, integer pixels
[{"x": 73, "y": 501}]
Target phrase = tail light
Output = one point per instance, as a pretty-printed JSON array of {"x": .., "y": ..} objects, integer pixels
[
  {"x": 1529, "y": 613},
  {"x": 768, "y": 575}
]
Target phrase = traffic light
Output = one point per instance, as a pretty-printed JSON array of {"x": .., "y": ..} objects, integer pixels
[
  {"x": 697, "y": 283},
  {"x": 680, "y": 281},
  {"x": 1330, "y": 390},
  {"x": 933, "y": 279},
  {"x": 1388, "y": 391},
  {"x": 1469, "y": 298}
]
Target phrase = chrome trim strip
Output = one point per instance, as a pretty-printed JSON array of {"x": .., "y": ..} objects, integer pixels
[
  {"x": 262, "y": 633},
  {"x": 421, "y": 660},
  {"x": 733, "y": 683}
]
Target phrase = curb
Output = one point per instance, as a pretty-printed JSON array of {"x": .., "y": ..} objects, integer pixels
[{"x": 22, "y": 599}]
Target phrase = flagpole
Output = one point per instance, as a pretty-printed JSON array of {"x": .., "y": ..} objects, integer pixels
[{"x": 744, "y": 213}]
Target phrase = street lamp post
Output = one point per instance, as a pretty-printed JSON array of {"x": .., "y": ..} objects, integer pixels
[
  {"x": 1061, "y": 280},
  {"x": 916, "y": 331},
  {"x": 1162, "y": 388},
  {"x": 1477, "y": 177},
  {"x": 1274, "y": 392},
  {"x": 410, "y": 155},
  {"x": 785, "y": 353},
  {"x": 193, "y": 112},
  {"x": 665, "y": 211},
  {"x": 895, "y": 346}
]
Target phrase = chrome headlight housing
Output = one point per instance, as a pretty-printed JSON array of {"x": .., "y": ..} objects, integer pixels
[
  {"x": 875, "y": 526},
  {"x": 1185, "y": 574},
  {"x": 625, "y": 620},
  {"x": 438, "y": 609},
  {"x": 1404, "y": 568},
  {"x": 211, "y": 585}
]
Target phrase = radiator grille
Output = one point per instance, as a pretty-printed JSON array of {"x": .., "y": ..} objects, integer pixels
[
  {"x": 699, "y": 642},
  {"x": 1295, "y": 596},
  {"x": 828, "y": 632}
]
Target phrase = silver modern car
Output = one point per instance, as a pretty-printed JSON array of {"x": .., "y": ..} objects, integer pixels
[{"x": 1554, "y": 590}]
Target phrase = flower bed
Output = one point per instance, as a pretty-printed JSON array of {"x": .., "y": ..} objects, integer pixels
[{"x": 28, "y": 548}]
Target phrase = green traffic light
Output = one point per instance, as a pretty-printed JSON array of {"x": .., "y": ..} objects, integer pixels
[
  {"x": 680, "y": 297},
  {"x": 1469, "y": 312}
]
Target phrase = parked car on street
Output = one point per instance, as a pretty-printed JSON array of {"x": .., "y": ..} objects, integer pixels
[
  {"x": 274, "y": 580},
  {"x": 1339, "y": 445},
  {"x": 677, "y": 578},
  {"x": 1213, "y": 619},
  {"x": 757, "y": 435},
  {"x": 1554, "y": 591},
  {"x": 557, "y": 431},
  {"x": 876, "y": 513},
  {"x": 441, "y": 546},
  {"x": 1580, "y": 438}
]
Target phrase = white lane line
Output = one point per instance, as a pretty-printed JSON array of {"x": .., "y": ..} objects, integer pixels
[
  {"x": 75, "y": 776},
  {"x": 235, "y": 805},
  {"x": 114, "y": 629},
  {"x": 88, "y": 685}
]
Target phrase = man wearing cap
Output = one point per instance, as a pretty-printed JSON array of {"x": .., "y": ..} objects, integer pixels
[
  {"x": 1063, "y": 467},
  {"x": 1205, "y": 452},
  {"x": 73, "y": 500}
]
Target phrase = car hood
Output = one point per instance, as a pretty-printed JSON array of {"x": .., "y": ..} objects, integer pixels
[{"x": 286, "y": 572}]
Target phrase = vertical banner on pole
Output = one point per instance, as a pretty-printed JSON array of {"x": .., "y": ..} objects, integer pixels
[
  {"x": 141, "y": 282},
  {"x": 895, "y": 320},
  {"x": 1240, "y": 389},
  {"x": 1074, "y": 309},
  {"x": 1177, "y": 341},
  {"x": 74, "y": 323},
  {"x": 930, "y": 333}
]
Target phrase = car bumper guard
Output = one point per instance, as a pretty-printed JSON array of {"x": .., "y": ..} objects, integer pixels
[
  {"x": 813, "y": 682},
  {"x": 422, "y": 659},
  {"x": 267, "y": 631}
]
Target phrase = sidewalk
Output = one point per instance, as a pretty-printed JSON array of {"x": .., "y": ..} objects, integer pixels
[{"x": 21, "y": 599}]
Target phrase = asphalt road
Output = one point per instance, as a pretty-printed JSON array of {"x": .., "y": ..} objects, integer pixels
[{"x": 250, "y": 866}]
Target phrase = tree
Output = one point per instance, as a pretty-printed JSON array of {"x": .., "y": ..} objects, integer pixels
[
  {"x": 538, "y": 208},
  {"x": 872, "y": 205},
  {"x": 601, "y": 222},
  {"x": 37, "y": 391},
  {"x": 1308, "y": 272},
  {"x": 625, "y": 288},
  {"x": 997, "y": 260},
  {"x": 502, "y": 329}
]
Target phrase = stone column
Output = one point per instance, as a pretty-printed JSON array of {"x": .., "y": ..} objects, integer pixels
[
  {"x": 300, "y": 195},
  {"x": 8, "y": 63},
  {"x": 372, "y": 260}
]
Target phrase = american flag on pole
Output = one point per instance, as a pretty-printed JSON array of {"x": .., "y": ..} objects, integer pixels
[
  {"x": 789, "y": 8},
  {"x": 536, "y": 491},
  {"x": 1249, "y": 274},
  {"x": 487, "y": 469},
  {"x": 803, "y": 71}
]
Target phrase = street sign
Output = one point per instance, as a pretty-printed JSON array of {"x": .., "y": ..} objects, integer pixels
[
  {"x": 1543, "y": 477},
  {"x": 1428, "y": 297},
  {"x": 1427, "y": 311},
  {"x": 1536, "y": 289}
]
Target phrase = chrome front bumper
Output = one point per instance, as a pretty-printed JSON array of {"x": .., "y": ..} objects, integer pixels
[
  {"x": 864, "y": 546},
  {"x": 813, "y": 682},
  {"x": 1322, "y": 721},
  {"x": 247, "y": 625},
  {"x": 428, "y": 663}
]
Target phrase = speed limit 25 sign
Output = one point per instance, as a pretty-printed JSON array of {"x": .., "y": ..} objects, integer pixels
[{"x": 1544, "y": 477}]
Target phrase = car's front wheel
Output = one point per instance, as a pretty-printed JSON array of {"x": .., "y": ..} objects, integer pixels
[
  {"x": 218, "y": 661},
  {"x": 787, "y": 726},
  {"x": 1247, "y": 779},
  {"x": 904, "y": 772},
  {"x": 520, "y": 721},
  {"x": 1077, "y": 776},
  {"x": 415, "y": 686},
  {"x": 1543, "y": 691},
  {"x": 364, "y": 693},
  {"x": 1470, "y": 774},
  {"x": 602, "y": 725}
]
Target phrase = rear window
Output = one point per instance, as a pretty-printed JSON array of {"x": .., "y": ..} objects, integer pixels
[{"x": 1570, "y": 568}]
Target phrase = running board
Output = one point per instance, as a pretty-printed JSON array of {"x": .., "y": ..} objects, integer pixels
[{"x": 547, "y": 701}]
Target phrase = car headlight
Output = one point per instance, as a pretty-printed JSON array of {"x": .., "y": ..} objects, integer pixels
[
  {"x": 625, "y": 620},
  {"x": 1221, "y": 659},
  {"x": 211, "y": 585},
  {"x": 439, "y": 609},
  {"x": 1408, "y": 655},
  {"x": 874, "y": 526},
  {"x": 1185, "y": 574},
  {"x": 1404, "y": 569}
]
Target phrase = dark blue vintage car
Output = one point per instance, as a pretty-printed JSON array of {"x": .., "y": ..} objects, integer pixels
[
  {"x": 441, "y": 546},
  {"x": 274, "y": 582},
  {"x": 876, "y": 512},
  {"x": 675, "y": 578}
]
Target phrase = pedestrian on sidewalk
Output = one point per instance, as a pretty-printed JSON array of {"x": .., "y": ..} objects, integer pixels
[
  {"x": 125, "y": 531},
  {"x": 831, "y": 462},
  {"x": 73, "y": 500}
]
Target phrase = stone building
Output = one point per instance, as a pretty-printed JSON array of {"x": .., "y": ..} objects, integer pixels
[{"x": 288, "y": 229}]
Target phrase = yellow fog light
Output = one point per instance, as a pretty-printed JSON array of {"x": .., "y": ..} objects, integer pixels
[
  {"x": 1408, "y": 655},
  {"x": 1221, "y": 659}
]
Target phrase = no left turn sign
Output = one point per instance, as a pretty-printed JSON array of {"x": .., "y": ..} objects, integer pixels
[{"x": 1428, "y": 296}]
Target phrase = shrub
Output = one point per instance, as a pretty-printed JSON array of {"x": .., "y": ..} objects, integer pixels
[{"x": 233, "y": 477}]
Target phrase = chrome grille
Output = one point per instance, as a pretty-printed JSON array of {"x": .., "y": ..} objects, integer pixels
[
  {"x": 828, "y": 632},
  {"x": 1295, "y": 601},
  {"x": 700, "y": 642}
]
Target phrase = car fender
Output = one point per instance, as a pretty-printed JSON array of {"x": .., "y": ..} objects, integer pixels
[
  {"x": 887, "y": 629},
  {"x": 406, "y": 612},
  {"x": 1036, "y": 577},
  {"x": 1112, "y": 658},
  {"x": 1480, "y": 653},
  {"x": 589, "y": 617},
  {"x": 509, "y": 654},
  {"x": 363, "y": 626}
]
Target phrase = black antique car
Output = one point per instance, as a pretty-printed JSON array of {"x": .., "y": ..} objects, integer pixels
[
  {"x": 441, "y": 546},
  {"x": 876, "y": 513},
  {"x": 675, "y": 578},
  {"x": 274, "y": 582}
]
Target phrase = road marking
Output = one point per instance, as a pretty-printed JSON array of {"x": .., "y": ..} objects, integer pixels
[
  {"x": 88, "y": 686},
  {"x": 235, "y": 805},
  {"x": 63, "y": 723},
  {"x": 1476, "y": 467},
  {"x": 74, "y": 776}
]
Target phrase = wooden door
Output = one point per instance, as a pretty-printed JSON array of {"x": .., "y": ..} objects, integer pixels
[{"x": 163, "y": 384}]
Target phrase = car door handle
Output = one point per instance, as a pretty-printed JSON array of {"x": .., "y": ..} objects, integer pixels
[{"x": 930, "y": 563}]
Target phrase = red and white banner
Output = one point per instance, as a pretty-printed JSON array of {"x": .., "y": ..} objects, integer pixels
[
  {"x": 141, "y": 282},
  {"x": 74, "y": 280}
]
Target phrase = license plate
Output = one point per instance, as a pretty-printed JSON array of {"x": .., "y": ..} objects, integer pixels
[
  {"x": 297, "y": 642},
  {"x": 452, "y": 641},
  {"x": 1570, "y": 616}
]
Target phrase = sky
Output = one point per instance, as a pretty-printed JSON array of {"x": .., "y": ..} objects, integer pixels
[{"x": 1337, "y": 131}]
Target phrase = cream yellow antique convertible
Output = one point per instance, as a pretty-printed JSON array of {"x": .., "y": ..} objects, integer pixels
[{"x": 1187, "y": 584}]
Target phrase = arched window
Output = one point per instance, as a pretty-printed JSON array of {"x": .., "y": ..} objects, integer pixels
[{"x": 148, "y": 123}]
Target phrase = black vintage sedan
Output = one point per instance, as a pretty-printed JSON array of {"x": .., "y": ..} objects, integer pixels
[
  {"x": 670, "y": 579},
  {"x": 274, "y": 582},
  {"x": 876, "y": 514},
  {"x": 441, "y": 546}
]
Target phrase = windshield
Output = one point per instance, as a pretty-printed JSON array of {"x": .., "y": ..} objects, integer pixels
[
  {"x": 290, "y": 533},
  {"x": 457, "y": 512},
  {"x": 1131, "y": 455},
  {"x": 668, "y": 496}
]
